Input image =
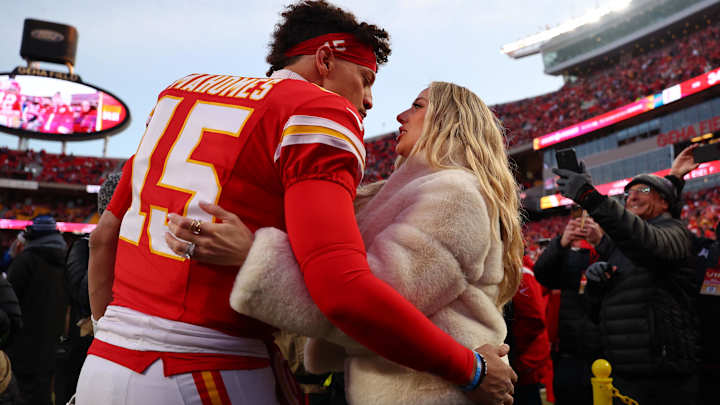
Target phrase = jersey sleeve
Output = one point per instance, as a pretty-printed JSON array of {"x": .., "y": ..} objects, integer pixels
[
  {"x": 322, "y": 140},
  {"x": 122, "y": 195}
]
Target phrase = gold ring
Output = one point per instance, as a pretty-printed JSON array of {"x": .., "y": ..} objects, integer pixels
[{"x": 195, "y": 226}]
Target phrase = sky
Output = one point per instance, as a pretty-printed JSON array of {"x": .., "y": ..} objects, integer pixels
[{"x": 135, "y": 48}]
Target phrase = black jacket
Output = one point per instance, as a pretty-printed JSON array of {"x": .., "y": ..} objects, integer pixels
[
  {"x": 709, "y": 306},
  {"x": 562, "y": 268},
  {"x": 646, "y": 310},
  {"x": 36, "y": 277},
  {"x": 76, "y": 278}
]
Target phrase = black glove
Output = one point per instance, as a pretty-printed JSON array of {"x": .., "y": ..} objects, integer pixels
[
  {"x": 574, "y": 185},
  {"x": 600, "y": 272}
]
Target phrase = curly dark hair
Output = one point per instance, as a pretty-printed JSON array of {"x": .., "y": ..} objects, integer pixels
[{"x": 311, "y": 18}]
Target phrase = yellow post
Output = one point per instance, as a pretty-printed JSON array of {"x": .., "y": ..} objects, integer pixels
[{"x": 601, "y": 383}]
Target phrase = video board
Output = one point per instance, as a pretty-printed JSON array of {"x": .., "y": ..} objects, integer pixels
[{"x": 56, "y": 108}]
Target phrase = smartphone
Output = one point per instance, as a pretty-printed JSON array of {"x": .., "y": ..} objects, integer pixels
[
  {"x": 576, "y": 211},
  {"x": 707, "y": 153},
  {"x": 566, "y": 159}
]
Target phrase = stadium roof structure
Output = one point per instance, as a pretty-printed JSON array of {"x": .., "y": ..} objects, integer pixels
[
  {"x": 532, "y": 44},
  {"x": 617, "y": 31},
  {"x": 601, "y": 31}
]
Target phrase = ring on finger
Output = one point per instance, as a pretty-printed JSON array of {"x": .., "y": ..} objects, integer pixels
[
  {"x": 195, "y": 226},
  {"x": 189, "y": 250}
]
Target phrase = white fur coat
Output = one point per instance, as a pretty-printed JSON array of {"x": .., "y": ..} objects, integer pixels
[{"x": 427, "y": 234}]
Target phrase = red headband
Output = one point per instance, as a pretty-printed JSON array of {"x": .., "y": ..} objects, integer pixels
[{"x": 345, "y": 46}]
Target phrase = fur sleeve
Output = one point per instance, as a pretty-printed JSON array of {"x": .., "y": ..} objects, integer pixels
[
  {"x": 270, "y": 287},
  {"x": 438, "y": 242}
]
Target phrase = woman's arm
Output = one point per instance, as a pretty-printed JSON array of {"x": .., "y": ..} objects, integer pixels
[{"x": 101, "y": 268}]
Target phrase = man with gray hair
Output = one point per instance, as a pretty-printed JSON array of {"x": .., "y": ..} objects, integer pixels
[{"x": 641, "y": 295}]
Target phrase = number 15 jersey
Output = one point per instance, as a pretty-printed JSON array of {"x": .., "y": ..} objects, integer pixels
[{"x": 237, "y": 142}]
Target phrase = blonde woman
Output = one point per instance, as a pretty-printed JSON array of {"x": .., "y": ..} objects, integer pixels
[{"x": 443, "y": 230}]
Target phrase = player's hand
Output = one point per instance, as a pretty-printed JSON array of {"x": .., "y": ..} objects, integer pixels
[
  {"x": 684, "y": 163},
  {"x": 498, "y": 386},
  {"x": 225, "y": 243}
]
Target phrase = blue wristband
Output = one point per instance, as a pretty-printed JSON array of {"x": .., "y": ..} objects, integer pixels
[{"x": 480, "y": 371}]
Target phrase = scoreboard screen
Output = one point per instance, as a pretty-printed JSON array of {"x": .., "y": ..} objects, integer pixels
[{"x": 58, "y": 109}]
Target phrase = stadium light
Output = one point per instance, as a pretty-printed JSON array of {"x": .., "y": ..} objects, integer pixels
[{"x": 531, "y": 44}]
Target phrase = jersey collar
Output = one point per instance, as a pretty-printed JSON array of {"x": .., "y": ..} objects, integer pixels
[{"x": 287, "y": 74}]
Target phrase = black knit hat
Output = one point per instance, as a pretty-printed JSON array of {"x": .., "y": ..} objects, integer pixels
[
  {"x": 663, "y": 186},
  {"x": 42, "y": 225}
]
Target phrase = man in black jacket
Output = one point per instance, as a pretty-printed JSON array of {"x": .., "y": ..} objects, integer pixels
[
  {"x": 645, "y": 307},
  {"x": 36, "y": 277}
]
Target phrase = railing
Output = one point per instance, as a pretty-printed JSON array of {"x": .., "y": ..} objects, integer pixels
[{"x": 603, "y": 390}]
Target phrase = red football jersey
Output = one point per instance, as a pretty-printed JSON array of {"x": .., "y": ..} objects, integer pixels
[{"x": 235, "y": 141}]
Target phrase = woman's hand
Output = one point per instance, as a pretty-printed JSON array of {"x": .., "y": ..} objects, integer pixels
[{"x": 226, "y": 243}]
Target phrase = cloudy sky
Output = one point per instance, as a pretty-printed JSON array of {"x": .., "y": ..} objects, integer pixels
[{"x": 134, "y": 48}]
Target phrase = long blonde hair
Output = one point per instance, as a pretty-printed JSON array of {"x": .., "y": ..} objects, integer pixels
[{"x": 460, "y": 131}]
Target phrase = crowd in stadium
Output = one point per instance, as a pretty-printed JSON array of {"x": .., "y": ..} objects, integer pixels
[
  {"x": 53, "y": 168},
  {"x": 22, "y": 206},
  {"x": 603, "y": 90},
  {"x": 612, "y": 86},
  {"x": 380, "y": 158}
]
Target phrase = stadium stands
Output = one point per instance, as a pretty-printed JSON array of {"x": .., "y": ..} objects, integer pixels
[
  {"x": 702, "y": 212},
  {"x": 51, "y": 168},
  {"x": 587, "y": 96},
  {"x": 65, "y": 207},
  {"x": 606, "y": 89},
  {"x": 380, "y": 158}
]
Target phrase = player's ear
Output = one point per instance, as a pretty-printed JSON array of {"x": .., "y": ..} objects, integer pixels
[{"x": 324, "y": 60}]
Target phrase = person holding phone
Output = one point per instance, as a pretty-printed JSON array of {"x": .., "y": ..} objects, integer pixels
[
  {"x": 562, "y": 266},
  {"x": 643, "y": 290}
]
